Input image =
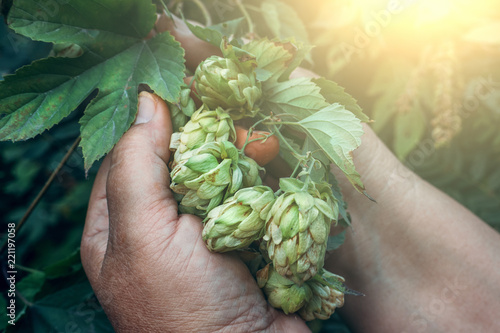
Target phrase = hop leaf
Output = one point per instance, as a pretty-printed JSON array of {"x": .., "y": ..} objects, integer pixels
[{"x": 115, "y": 61}]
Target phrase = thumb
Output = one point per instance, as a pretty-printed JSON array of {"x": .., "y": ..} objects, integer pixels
[{"x": 137, "y": 186}]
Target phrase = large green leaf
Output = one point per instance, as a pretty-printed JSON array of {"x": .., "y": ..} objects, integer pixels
[
  {"x": 5, "y": 319},
  {"x": 216, "y": 33},
  {"x": 57, "y": 299},
  {"x": 284, "y": 21},
  {"x": 27, "y": 289},
  {"x": 338, "y": 132},
  {"x": 337, "y": 193},
  {"x": 64, "y": 267},
  {"x": 335, "y": 241},
  {"x": 285, "y": 24},
  {"x": 299, "y": 97},
  {"x": 94, "y": 24},
  {"x": 334, "y": 93},
  {"x": 157, "y": 63},
  {"x": 72, "y": 308},
  {"x": 116, "y": 61}
]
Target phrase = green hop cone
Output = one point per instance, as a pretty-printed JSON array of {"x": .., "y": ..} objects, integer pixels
[
  {"x": 250, "y": 170},
  {"x": 207, "y": 175},
  {"x": 328, "y": 295},
  {"x": 181, "y": 111},
  {"x": 297, "y": 228},
  {"x": 281, "y": 292},
  {"x": 239, "y": 221},
  {"x": 229, "y": 84},
  {"x": 206, "y": 126}
]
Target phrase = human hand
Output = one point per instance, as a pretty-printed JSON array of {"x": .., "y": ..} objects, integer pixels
[{"x": 148, "y": 266}]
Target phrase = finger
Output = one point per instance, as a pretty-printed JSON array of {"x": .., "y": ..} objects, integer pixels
[
  {"x": 197, "y": 50},
  {"x": 137, "y": 187},
  {"x": 95, "y": 231}
]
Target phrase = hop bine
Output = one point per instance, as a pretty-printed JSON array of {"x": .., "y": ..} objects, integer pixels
[
  {"x": 239, "y": 221},
  {"x": 207, "y": 175},
  {"x": 229, "y": 84},
  {"x": 297, "y": 228}
]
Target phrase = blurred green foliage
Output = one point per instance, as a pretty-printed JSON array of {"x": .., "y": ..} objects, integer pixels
[{"x": 49, "y": 285}]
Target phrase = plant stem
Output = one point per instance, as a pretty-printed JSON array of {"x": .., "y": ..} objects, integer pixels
[
  {"x": 296, "y": 169},
  {"x": 283, "y": 123},
  {"x": 249, "y": 134},
  {"x": 308, "y": 176},
  {"x": 282, "y": 139},
  {"x": 204, "y": 12},
  {"x": 44, "y": 189},
  {"x": 254, "y": 8},
  {"x": 247, "y": 16},
  {"x": 167, "y": 11}
]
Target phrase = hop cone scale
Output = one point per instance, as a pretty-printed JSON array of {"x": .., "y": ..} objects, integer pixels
[
  {"x": 229, "y": 84},
  {"x": 281, "y": 292},
  {"x": 297, "y": 229},
  {"x": 206, "y": 126},
  {"x": 207, "y": 175},
  {"x": 327, "y": 295},
  {"x": 239, "y": 221}
]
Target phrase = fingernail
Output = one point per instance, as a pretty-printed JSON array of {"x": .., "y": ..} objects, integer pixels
[{"x": 146, "y": 109}]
